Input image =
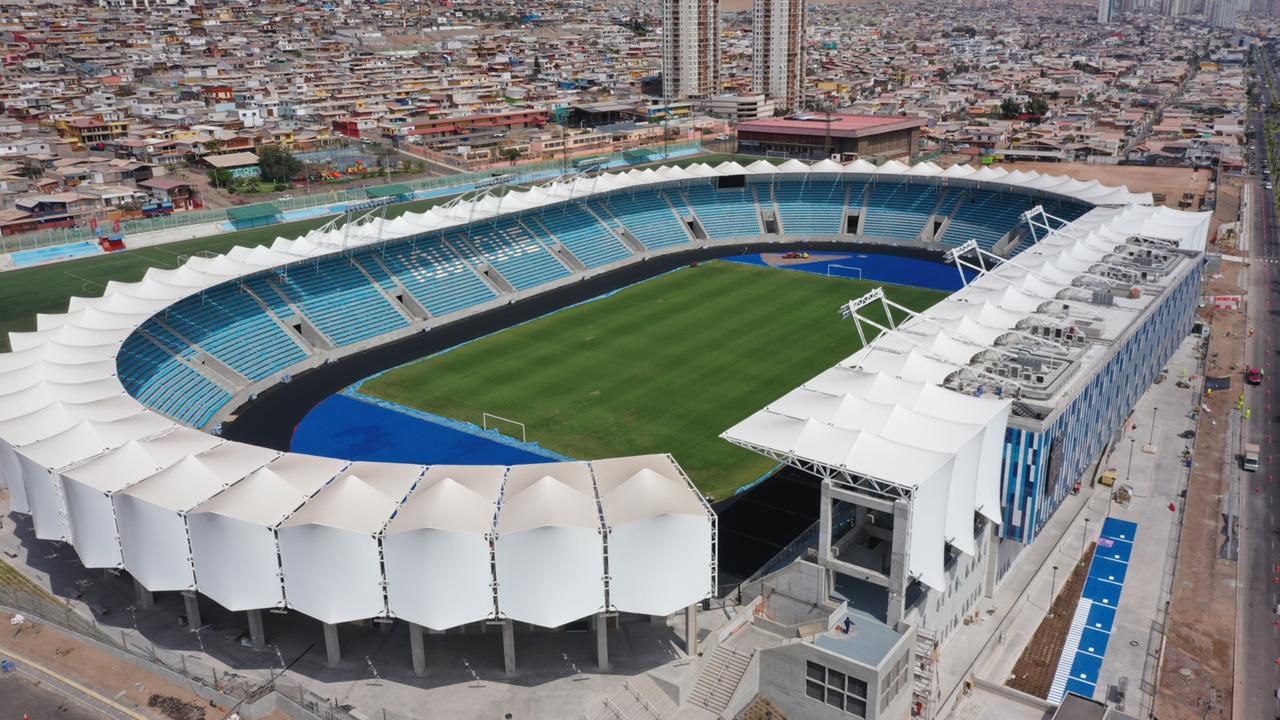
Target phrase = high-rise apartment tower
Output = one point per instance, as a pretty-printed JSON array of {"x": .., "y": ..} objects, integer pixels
[
  {"x": 690, "y": 48},
  {"x": 778, "y": 52}
]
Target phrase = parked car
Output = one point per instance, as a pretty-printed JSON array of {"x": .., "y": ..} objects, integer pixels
[{"x": 1253, "y": 375}]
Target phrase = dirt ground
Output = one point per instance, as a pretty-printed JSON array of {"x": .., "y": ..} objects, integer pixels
[
  {"x": 1034, "y": 671},
  {"x": 776, "y": 259},
  {"x": 104, "y": 673},
  {"x": 1169, "y": 181},
  {"x": 1199, "y": 650}
]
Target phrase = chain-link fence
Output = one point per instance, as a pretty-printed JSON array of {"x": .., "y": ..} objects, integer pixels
[
  {"x": 332, "y": 201},
  {"x": 243, "y": 688}
]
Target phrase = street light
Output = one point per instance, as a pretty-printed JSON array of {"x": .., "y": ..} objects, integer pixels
[
  {"x": 1152, "y": 440},
  {"x": 1053, "y": 585},
  {"x": 1084, "y": 539}
]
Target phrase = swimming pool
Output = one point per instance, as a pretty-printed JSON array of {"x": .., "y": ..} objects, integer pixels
[{"x": 38, "y": 256}]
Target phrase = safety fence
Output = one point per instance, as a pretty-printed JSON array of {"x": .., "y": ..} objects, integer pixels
[{"x": 239, "y": 689}]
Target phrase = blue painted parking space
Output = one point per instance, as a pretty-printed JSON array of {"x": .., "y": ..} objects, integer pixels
[
  {"x": 1081, "y": 688},
  {"x": 1119, "y": 529},
  {"x": 1094, "y": 641},
  {"x": 1105, "y": 569},
  {"x": 1101, "y": 591},
  {"x": 1101, "y": 618},
  {"x": 1086, "y": 668}
]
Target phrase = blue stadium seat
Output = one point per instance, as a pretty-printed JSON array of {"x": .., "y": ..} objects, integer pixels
[
  {"x": 647, "y": 216},
  {"x": 516, "y": 255},
  {"x": 163, "y": 382},
  {"x": 230, "y": 326},
  {"x": 898, "y": 210},
  {"x": 810, "y": 208},
  {"x": 433, "y": 274},
  {"x": 724, "y": 214},
  {"x": 581, "y": 233},
  {"x": 986, "y": 216},
  {"x": 340, "y": 301}
]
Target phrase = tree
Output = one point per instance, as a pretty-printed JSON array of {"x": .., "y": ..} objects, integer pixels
[
  {"x": 511, "y": 153},
  {"x": 1037, "y": 106},
  {"x": 220, "y": 178},
  {"x": 1010, "y": 109},
  {"x": 278, "y": 164}
]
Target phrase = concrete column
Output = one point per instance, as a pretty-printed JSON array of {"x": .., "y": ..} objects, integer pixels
[
  {"x": 602, "y": 641},
  {"x": 418, "y": 649},
  {"x": 824, "y": 524},
  {"x": 257, "y": 634},
  {"x": 691, "y": 630},
  {"x": 509, "y": 646},
  {"x": 993, "y": 560},
  {"x": 332, "y": 651},
  {"x": 898, "y": 563},
  {"x": 145, "y": 599},
  {"x": 192, "y": 601}
]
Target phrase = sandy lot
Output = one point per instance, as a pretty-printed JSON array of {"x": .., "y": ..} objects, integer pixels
[
  {"x": 1171, "y": 182},
  {"x": 1199, "y": 652},
  {"x": 96, "y": 669}
]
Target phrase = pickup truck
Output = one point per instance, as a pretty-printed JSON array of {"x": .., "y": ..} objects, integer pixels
[{"x": 1251, "y": 452}]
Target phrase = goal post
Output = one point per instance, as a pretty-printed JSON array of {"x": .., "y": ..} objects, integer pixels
[
  {"x": 849, "y": 271},
  {"x": 489, "y": 421}
]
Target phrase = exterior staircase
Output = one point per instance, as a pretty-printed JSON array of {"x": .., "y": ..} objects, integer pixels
[
  {"x": 638, "y": 699},
  {"x": 719, "y": 679},
  {"x": 1068, "y": 657}
]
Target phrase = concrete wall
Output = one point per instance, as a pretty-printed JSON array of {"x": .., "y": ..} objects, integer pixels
[
  {"x": 967, "y": 583},
  {"x": 783, "y": 675}
]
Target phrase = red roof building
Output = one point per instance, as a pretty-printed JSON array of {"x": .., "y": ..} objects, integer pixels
[{"x": 813, "y": 136}]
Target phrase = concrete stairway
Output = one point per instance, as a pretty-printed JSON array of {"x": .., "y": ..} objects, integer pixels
[
  {"x": 638, "y": 699},
  {"x": 719, "y": 679},
  {"x": 1059, "y": 687}
]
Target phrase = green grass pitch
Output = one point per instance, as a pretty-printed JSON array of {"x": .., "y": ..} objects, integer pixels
[{"x": 663, "y": 366}]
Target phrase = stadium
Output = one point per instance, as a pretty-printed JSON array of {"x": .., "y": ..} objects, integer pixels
[{"x": 150, "y": 428}]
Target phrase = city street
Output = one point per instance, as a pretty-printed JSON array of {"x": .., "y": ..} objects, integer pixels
[{"x": 1258, "y": 650}]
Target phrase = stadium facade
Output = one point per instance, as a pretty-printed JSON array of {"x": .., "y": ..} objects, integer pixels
[{"x": 99, "y": 404}]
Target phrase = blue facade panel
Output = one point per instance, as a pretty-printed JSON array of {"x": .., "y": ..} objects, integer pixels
[{"x": 1077, "y": 437}]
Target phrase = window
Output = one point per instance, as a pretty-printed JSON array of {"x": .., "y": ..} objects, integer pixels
[{"x": 836, "y": 689}]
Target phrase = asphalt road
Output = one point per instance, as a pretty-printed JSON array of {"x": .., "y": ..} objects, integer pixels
[
  {"x": 21, "y": 696},
  {"x": 1258, "y": 626}
]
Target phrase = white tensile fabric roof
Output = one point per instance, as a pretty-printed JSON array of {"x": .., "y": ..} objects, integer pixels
[
  {"x": 550, "y": 545},
  {"x": 335, "y": 535},
  {"x": 88, "y": 488},
  {"x": 42, "y": 460},
  {"x": 445, "y": 525},
  {"x": 62, "y": 376},
  {"x": 883, "y": 415},
  {"x": 656, "y": 528},
  {"x": 233, "y": 540}
]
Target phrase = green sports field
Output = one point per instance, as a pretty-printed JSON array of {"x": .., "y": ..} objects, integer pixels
[{"x": 664, "y": 366}]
